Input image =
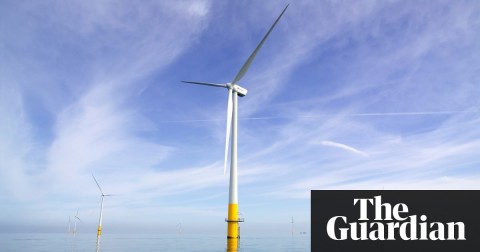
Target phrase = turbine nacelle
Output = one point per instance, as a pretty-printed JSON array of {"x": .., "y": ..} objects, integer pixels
[{"x": 240, "y": 90}]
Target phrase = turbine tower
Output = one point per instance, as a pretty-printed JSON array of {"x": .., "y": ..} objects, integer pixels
[{"x": 234, "y": 90}]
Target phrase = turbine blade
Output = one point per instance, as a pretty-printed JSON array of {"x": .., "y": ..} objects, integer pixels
[
  {"x": 206, "y": 84},
  {"x": 228, "y": 132},
  {"x": 97, "y": 184},
  {"x": 246, "y": 65}
]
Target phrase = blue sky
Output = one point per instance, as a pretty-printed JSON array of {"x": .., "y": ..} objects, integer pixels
[{"x": 343, "y": 95}]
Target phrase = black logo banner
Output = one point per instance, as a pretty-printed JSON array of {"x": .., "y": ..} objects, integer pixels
[{"x": 401, "y": 220}]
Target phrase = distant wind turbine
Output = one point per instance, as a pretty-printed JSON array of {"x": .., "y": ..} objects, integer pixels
[
  {"x": 292, "y": 225},
  {"x": 232, "y": 108},
  {"x": 75, "y": 221},
  {"x": 101, "y": 207},
  {"x": 179, "y": 227},
  {"x": 68, "y": 224}
]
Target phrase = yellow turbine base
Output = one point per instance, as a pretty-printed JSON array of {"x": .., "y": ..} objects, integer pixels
[
  {"x": 99, "y": 231},
  {"x": 232, "y": 245},
  {"x": 232, "y": 230}
]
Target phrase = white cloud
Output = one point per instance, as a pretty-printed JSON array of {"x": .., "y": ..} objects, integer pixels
[
  {"x": 15, "y": 145},
  {"x": 344, "y": 147}
]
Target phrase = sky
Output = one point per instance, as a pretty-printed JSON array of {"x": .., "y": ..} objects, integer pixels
[{"x": 343, "y": 95}]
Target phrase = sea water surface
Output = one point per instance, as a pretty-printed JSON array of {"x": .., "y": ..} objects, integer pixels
[{"x": 147, "y": 242}]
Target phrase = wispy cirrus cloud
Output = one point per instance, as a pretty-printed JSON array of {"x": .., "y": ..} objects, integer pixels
[
  {"x": 446, "y": 153},
  {"x": 344, "y": 147},
  {"x": 88, "y": 110}
]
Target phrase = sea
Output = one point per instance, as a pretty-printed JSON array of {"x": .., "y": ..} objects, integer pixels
[{"x": 52, "y": 242}]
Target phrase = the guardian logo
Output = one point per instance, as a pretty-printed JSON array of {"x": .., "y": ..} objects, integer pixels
[
  {"x": 391, "y": 223},
  {"x": 406, "y": 221}
]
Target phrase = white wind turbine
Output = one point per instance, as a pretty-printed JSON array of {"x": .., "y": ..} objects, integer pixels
[
  {"x": 179, "y": 228},
  {"x": 292, "y": 225},
  {"x": 68, "y": 224},
  {"x": 101, "y": 207},
  {"x": 75, "y": 223},
  {"x": 234, "y": 91}
]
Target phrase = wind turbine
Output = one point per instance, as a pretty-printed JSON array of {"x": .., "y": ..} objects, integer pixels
[
  {"x": 179, "y": 228},
  {"x": 101, "y": 207},
  {"x": 234, "y": 91},
  {"x": 68, "y": 224},
  {"x": 75, "y": 221},
  {"x": 292, "y": 226}
]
